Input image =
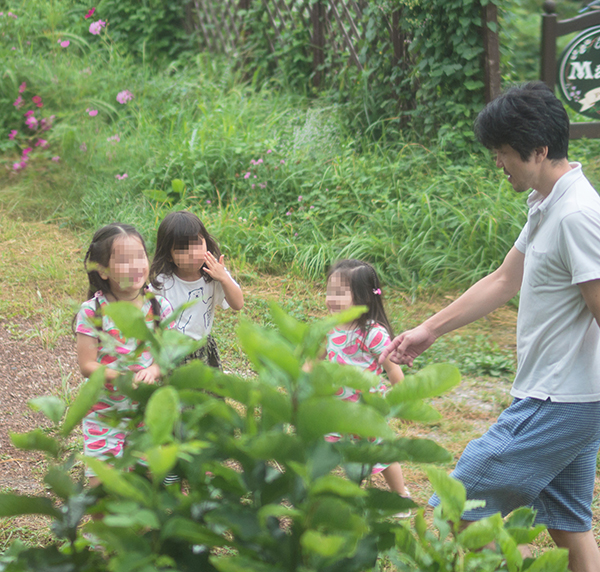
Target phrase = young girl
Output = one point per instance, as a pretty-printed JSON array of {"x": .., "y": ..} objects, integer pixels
[
  {"x": 117, "y": 266},
  {"x": 188, "y": 266},
  {"x": 360, "y": 343}
]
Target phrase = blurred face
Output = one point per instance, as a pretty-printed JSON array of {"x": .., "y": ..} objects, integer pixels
[
  {"x": 339, "y": 295},
  {"x": 191, "y": 257},
  {"x": 128, "y": 266}
]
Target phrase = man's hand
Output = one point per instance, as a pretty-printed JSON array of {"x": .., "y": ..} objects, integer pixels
[{"x": 403, "y": 349}]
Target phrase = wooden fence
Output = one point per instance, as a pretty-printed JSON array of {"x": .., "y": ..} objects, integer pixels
[{"x": 335, "y": 25}]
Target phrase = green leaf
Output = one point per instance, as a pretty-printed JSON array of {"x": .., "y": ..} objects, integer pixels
[
  {"x": 129, "y": 320},
  {"x": 60, "y": 482},
  {"x": 330, "y": 484},
  {"x": 35, "y": 440},
  {"x": 554, "y": 560},
  {"x": 291, "y": 329},
  {"x": 191, "y": 531},
  {"x": 161, "y": 460},
  {"x": 317, "y": 417},
  {"x": 242, "y": 564},
  {"x": 416, "y": 411},
  {"x": 177, "y": 185},
  {"x": 156, "y": 195},
  {"x": 52, "y": 407},
  {"x": 161, "y": 414},
  {"x": 86, "y": 398},
  {"x": 429, "y": 382},
  {"x": 481, "y": 532},
  {"x": 451, "y": 492},
  {"x": 15, "y": 505},
  {"x": 325, "y": 545},
  {"x": 116, "y": 483},
  {"x": 510, "y": 549},
  {"x": 402, "y": 449}
]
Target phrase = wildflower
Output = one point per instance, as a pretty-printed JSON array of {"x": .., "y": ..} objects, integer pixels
[
  {"x": 29, "y": 113},
  {"x": 289, "y": 213},
  {"x": 18, "y": 102},
  {"x": 31, "y": 122},
  {"x": 13, "y": 48},
  {"x": 295, "y": 234},
  {"x": 26, "y": 151},
  {"x": 37, "y": 100},
  {"x": 64, "y": 44},
  {"x": 95, "y": 27},
  {"x": 91, "y": 112},
  {"x": 121, "y": 177},
  {"x": 90, "y": 13},
  {"x": 22, "y": 87},
  {"x": 42, "y": 143},
  {"x": 247, "y": 175},
  {"x": 253, "y": 162},
  {"x": 253, "y": 185},
  {"x": 56, "y": 159},
  {"x": 208, "y": 201},
  {"x": 300, "y": 198},
  {"x": 12, "y": 134},
  {"x": 282, "y": 161},
  {"x": 124, "y": 96},
  {"x": 261, "y": 185},
  {"x": 259, "y": 161},
  {"x": 255, "y": 176},
  {"x": 83, "y": 147},
  {"x": 269, "y": 151},
  {"x": 1, "y": 13},
  {"x": 46, "y": 124},
  {"x": 17, "y": 166},
  {"x": 114, "y": 138},
  {"x": 312, "y": 206},
  {"x": 11, "y": 15}
]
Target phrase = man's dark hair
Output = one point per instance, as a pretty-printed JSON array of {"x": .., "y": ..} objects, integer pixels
[{"x": 525, "y": 117}]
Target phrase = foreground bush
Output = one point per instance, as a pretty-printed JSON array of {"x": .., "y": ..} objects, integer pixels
[{"x": 262, "y": 488}]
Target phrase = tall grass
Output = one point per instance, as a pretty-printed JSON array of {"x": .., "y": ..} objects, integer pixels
[{"x": 279, "y": 178}]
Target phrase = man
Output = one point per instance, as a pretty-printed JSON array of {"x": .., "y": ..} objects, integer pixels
[{"x": 542, "y": 450}]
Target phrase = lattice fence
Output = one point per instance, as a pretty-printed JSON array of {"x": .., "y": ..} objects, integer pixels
[{"x": 336, "y": 28}]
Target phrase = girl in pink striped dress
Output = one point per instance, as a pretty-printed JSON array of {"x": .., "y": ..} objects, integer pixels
[
  {"x": 117, "y": 266},
  {"x": 360, "y": 343}
]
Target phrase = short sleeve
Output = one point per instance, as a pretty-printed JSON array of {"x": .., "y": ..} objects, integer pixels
[
  {"x": 85, "y": 320},
  {"x": 579, "y": 245},
  {"x": 521, "y": 242},
  {"x": 377, "y": 339}
]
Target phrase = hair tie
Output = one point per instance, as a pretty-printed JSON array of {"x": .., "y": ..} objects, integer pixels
[{"x": 377, "y": 291}]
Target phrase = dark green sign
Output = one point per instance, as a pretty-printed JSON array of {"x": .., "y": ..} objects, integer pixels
[{"x": 579, "y": 73}]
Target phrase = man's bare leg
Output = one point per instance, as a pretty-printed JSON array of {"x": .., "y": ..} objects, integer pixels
[{"x": 584, "y": 555}]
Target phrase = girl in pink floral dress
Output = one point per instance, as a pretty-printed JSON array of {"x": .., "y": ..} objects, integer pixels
[
  {"x": 117, "y": 266},
  {"x": 360, "y": 343}
]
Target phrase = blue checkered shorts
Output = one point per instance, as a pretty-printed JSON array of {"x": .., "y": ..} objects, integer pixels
[{"x": 540, "y": 454}]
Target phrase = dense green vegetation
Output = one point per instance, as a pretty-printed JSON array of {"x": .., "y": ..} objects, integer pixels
[{"x": 282, "y": 179}]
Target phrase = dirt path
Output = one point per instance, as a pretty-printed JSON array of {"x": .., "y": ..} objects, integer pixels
[{"x": 27, "y": 370}]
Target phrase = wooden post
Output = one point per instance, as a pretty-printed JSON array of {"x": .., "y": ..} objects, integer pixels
[
  {"x": 491, "y": 51},
  {"x": 318, "y": 40},
  {"x": 549, "y": 32}
]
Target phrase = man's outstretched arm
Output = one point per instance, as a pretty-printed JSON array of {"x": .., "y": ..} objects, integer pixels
[{"x": 482, "y": 298}]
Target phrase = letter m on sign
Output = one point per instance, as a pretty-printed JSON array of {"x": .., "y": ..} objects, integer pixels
[{"x": 581, "y": 70}]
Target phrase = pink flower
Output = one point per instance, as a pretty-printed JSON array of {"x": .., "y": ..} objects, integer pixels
[
  {"x": 56, "y": 159},
  {"x": 64, "y": 44},
  {"x": 114, "y": 138},
  {"x": 208, "y": 201},
  {"x": 18, "y": 102},
  {"x": 300, "y": 198},
  {"x": 90, "y": 13},
  {"x": 289, "y": 213},
  {"x": 312, "y": 206},
  {"x": 46, "y": 124},
  {"x": 124, "y": 96},
  {"x": 31, "y": 122},
  {"x": 95, "y": 27},
  {"x": 37, "y": 100},
  {"x": 42, "y": 143},
  {"x": 247, "y": 175},
  {"x": 269, "y": 151},
  {"x": 282, "y": 161},
  {"x": 261, "y": 185},
  {"x": 18, "y": 166},
  {"x": 83, "y": 147},
  {"x": 295, "y": 234},
  {"x": 29, "y": 113},
  {"x": 12, "y": 134},
  {"x": 121, "y": 177},
  {"x": 22, "y": 87},
  {"x": 13, "y": 48},
  {"x": 259, "y": 161},
  {"x": 11, "y": 15},
  {"x": 92, "y": 112},
  {"x": 253, "y": 185},
  {"x": 26, "y": 151}
]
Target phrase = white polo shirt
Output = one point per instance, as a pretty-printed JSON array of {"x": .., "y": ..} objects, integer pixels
[{"x": 558, "y": 339}]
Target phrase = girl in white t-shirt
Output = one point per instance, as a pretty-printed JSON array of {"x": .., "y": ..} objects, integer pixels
[{"x": 188, "y": 266}]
